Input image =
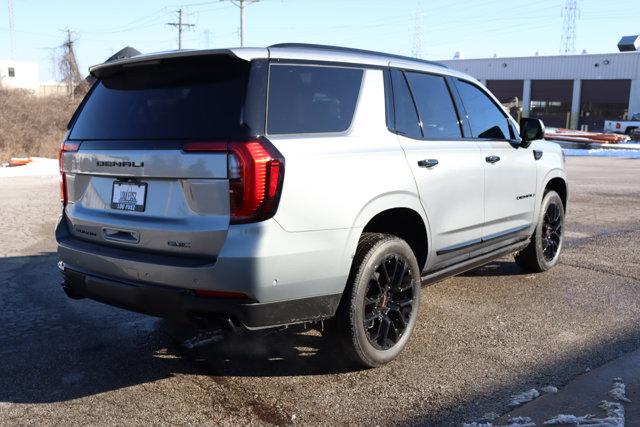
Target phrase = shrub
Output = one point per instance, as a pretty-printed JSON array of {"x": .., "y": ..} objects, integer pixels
[{"x": 31, "y": 125}]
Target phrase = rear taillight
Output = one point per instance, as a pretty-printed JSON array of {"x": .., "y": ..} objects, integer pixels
[
  {"x": 65, "y": 147},
  {"x": 256, "y": 172}
]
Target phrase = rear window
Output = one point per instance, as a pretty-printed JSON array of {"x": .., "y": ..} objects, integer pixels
[
  {"x": 311, "y": 99},
  {"x": 194, "y": 98}
]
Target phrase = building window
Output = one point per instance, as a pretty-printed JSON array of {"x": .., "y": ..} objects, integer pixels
[{"x": 12, "y": 72}]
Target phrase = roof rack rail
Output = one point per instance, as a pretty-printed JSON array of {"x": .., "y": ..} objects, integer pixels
[{"x": 354, "y": 50}]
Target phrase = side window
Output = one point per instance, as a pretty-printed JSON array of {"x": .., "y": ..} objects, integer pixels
[
  {"x": 407, "y": 121},
  {"x": 485, "y": 118},
  {"x": 433, "y": 99},
  {"x": 311, "y": 99}
]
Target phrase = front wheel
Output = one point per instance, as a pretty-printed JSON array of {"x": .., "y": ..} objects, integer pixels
[
  {"x": 380, "y": 304},
  {"x": 545, "y": 246}
]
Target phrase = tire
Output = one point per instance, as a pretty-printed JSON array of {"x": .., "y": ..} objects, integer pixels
[
  {"x": 390, "y": 306},
  {"x": 545, "y": 246}
]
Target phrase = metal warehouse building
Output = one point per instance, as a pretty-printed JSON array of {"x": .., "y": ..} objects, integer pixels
[{"x": 576, "y": 91}]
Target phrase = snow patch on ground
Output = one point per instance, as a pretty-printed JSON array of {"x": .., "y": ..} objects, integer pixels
[
  {"x": 549, "y": 389},
  {"x": 614, "y": 417},
  {"x": 39, "y": 166},
  {"x": 603, "y": 152},
  {"x": 524, "y": 397},
  {"x": 619, "y": 390}
]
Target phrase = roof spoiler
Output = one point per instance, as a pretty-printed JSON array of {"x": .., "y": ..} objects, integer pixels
[{"x": 110, "y": 68}]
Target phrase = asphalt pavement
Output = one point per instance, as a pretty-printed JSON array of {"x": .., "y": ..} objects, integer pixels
[{"x": 481, "y": 337}]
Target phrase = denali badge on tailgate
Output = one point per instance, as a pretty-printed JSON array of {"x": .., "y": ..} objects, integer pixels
[{"x": 120, "y": 164}]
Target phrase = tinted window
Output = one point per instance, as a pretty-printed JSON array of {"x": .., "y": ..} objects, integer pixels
[
  {"x": 407, "y": 121},
  {"x": 437, "y": 113},
  {"x": 485, "y": 118},
  {"x": 311, "y": 99},
  {"x": 188, "y": 99}
]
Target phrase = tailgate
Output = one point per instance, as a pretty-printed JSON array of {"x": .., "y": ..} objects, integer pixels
[
  {"x": 130, "y": 183},
  {"x": 165, "y": 201}
]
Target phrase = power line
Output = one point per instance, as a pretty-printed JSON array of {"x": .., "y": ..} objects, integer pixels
[
  {"x": 417, "y": 33},
  {"x": 241, "y": 4},
  {"x": 179, "y": 25},
  {"x": 570, "y": 13}
]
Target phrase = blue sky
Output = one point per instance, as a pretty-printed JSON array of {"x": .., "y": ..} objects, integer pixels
[{"x": 478, "y": 28}]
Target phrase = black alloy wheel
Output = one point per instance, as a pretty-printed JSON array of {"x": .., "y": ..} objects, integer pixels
[
  {"x": 551, "y": 231},
  {"x": 388, "y": 302}
]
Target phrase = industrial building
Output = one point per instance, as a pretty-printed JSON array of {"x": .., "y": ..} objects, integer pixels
[
  {"x": 575, "y": 91},
  {"x": 19, "y": 75}
]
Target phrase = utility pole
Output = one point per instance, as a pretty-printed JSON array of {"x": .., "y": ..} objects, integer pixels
[
  {"x": 570, "y": 13},
  {"x": 180, "y": 24},
  {"x": 69, "y": 65},
  {"x": 241, "y": 4}
]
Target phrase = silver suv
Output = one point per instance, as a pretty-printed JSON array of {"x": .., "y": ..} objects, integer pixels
[{"x": 298, "y": 184}]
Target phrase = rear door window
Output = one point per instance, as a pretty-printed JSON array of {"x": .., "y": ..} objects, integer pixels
[
  {"x": 407, "y": 122},
  {"x": 485, "y": 117},
  {"x": 311, "y": 99},
  {"x": 195, "y": 98},
  {"x": 437, "y": 113}
]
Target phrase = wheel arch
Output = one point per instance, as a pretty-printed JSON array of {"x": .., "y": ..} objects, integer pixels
[
  {"x": 559, "y": 185},
  {"x": 399, "y": 214}
]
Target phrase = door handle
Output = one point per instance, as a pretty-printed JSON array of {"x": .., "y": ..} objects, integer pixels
[
  {"x": 121, "y": 235},
  {"x": 492, "y": 159},
  {"x": 428, "y": 163}
]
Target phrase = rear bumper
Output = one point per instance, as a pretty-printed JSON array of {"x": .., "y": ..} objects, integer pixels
[
  {"x": 289, "y": 277},
  {"x": 260, "y": 260},
  {"x": 184, "y": 305}
]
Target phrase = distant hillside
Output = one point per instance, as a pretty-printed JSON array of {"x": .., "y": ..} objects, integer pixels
[{"x": 31, "y": 125}]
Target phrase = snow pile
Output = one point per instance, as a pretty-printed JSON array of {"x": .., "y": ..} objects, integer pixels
[
  {"x": 513, "y": 422},
  {"x": 549, "y": 389},
  {"x": 524, "y": 397},
  {"x": 619, "y": 390},
  {"x": 614, "y": 417},
  {"x": 39, "y": 166},
  {"x": 603, "y": 152}
]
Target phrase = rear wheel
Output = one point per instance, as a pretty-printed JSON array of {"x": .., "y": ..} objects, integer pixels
[
  {"x": 545, "y": 246},
  {"x": 380, "y": 304}
]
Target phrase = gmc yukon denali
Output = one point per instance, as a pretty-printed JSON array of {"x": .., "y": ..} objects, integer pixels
[{"x": 264, "y": 187}]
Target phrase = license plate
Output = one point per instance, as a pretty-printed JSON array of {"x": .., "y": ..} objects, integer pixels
[{"x": 129, "y": 196}]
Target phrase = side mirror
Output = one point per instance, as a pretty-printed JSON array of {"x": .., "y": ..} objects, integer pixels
[{"x": 530, "y": 130}]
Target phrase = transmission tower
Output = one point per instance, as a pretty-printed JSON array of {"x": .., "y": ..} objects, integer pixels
[
  {"x": 179, "y": 25},
  {"x": 417, "y": 33},
  {"x": 12, "y": 41},
  {"x": 570, "y": 14},
  {"x": 241, "y": 4}
]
